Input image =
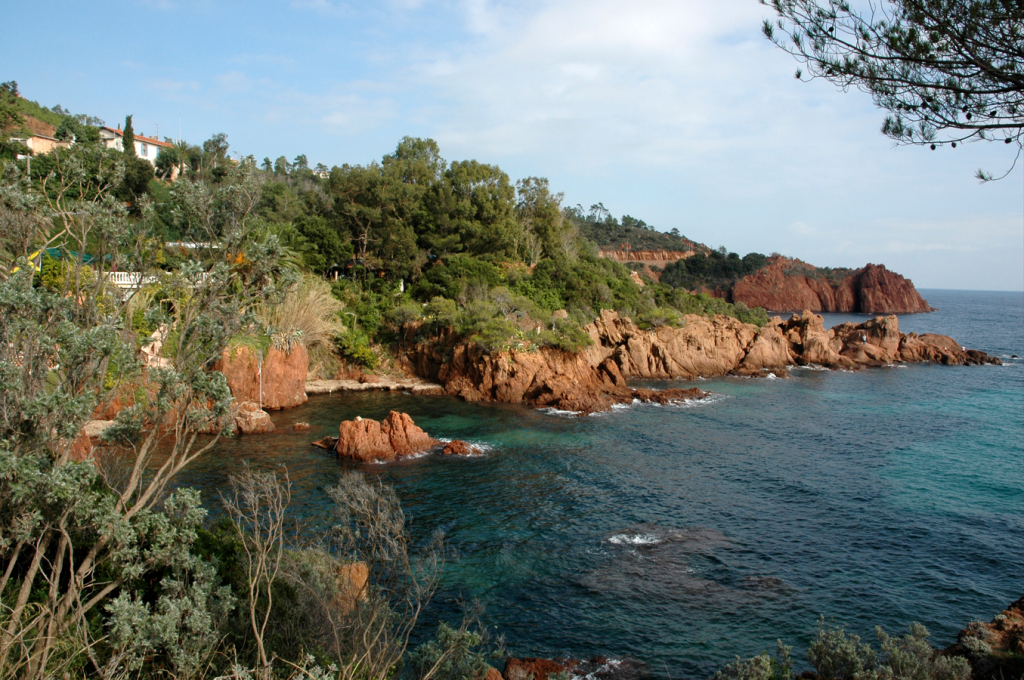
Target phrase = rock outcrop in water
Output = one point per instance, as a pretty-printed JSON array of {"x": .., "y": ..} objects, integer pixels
[
  {"x": 595, "y": 378},
  {"x": 367, "y": 440},
  {"x": 597, "y": 668},
  {"x": 792, "y": 285}
]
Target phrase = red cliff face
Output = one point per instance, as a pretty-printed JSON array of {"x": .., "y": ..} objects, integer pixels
[
  {"x": 792, "y": 285},
  {"x": 283, "y": 379}
]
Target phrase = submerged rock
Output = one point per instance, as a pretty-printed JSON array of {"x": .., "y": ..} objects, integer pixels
[{"x": 368, "y": 440}]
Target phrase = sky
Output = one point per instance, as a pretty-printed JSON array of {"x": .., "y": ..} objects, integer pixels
[{"x": 678, "y": 112}]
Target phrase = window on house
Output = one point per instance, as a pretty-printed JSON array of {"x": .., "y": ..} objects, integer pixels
[{"x": 145, "y": 150}]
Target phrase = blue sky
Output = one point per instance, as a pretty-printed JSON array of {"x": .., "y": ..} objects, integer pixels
[{"x": 674, "y": 111}]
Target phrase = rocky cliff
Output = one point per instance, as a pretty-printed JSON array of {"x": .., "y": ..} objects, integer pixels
[
  {"x": 792, "y": 285},
  {"x": 277, "y": 382},
  {"x": 595, "y": 378}
]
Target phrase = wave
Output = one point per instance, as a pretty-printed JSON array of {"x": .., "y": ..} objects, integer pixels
[
  {"x": 482, "y": 447},
  {"x": 634, "y": 539},
  {"x": 552, "y": 411}
]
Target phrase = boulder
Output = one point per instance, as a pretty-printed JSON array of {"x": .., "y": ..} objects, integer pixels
[
  {"x": 251, "y": 419},
  {"x": 457, "y": 447},
  {"x": 327, "y": 443},
  {"x": 538, "y": 669},
  {"x": 368, "y": 440},
  {"x": 81, "y": 447},
  {"x": 770, "y": 349},
  {"x": 283, "y": 379},
  {"x": 300, "y": 427},
  {"x": 350, "y": 580}
]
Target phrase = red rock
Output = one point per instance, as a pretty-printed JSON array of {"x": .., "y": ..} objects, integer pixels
[
  {"x": 368, "y": 440},
  {"x": 1003, "y": 638},
  {"x": 300, "y": 427},
  {"x": 327, "y": 443},
  {"x": 595, "y": 378},
  {"x": 283, "y": 376},
  {"x": 253, "y": 420},
  {"x": 539, "y": 669},
  {"x": 81, "y": 447},
  {"x": 457, "y": 447},
  {"x": 791, "y": 285},
  {"x": 369, "y": 378}
]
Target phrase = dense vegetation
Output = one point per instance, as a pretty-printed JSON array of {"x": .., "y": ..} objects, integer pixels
[{"x": 716, "y": 270}]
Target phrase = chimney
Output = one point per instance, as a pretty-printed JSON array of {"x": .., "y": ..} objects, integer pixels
[{"x": 118, "y": 126}]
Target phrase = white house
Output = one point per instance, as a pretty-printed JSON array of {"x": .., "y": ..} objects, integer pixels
[{"x": 145, "y": 147}]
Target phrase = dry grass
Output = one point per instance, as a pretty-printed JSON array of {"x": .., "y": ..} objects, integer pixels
[{"x": 308, "y": 313}]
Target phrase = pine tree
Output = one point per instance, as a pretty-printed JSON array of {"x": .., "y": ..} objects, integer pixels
[{"x": 128, "y": 140}]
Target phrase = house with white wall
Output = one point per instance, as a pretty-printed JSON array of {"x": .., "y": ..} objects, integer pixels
[{"x": 145, "y": 147}]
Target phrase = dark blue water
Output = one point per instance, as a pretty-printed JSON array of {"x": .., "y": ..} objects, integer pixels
[{"x": 685, "y": 536}]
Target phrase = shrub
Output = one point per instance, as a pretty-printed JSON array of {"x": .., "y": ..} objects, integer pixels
[
  {"x": 308, "y": 311},
  {"x": 355, "y": 346},
  {"x": 762, "y": 667},
  {"x": 404, "y": 313},
  {"x": 566, "y": 335},
  {"x": 441, "y": 313},
  {"x": 451, "y": 655},
  {"x": 659, "y": 316},
  {"x": 838, "y": 656},
  {"x": 498, "y": 335}
]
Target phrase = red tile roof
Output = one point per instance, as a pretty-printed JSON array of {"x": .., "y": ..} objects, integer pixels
[{"x": 139, "y": 138}]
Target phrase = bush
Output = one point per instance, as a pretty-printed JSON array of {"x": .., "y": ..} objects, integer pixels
[
  {"x": 566, "y": 335},
  {"x": 498, "y": 335},
  {"x": 838, "y": 656},
  {"x": 308, "y": 312},
  {"x": 355, "y": 346},
  {"x": 451, "y": 655},
  {"x": 659, "y": 316}
]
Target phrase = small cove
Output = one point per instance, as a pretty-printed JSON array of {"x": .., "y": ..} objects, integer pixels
[{"x": 686, "y": 535}]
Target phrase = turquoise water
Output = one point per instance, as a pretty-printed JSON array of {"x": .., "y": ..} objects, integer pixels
[{"x": 683, "y": 536}]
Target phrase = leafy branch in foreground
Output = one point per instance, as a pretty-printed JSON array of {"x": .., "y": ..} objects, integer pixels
[
  {"x": 77, "y": 539},
  {"x": 947, "y": 71}
]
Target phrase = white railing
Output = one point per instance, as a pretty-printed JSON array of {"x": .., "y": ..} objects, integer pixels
[{"x": 129, "y": 279}]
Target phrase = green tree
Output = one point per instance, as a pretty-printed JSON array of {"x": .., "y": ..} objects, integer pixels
[
  {"x": 10, "y": 117},
  {"x": 128, "y": 138},
  {"x": 472, "y": 211},
  {"x": 946, "y": 71}
]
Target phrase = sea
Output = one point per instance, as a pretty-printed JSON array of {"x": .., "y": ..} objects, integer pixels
[{"x": 684, "y": 536}]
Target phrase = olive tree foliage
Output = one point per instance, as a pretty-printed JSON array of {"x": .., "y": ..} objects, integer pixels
[
  {"x": 838, "y": 655},
  {"x": 946, "y": 71},
  {"x": 366, "y": 585},
  {"x": 77, "y": 537}
]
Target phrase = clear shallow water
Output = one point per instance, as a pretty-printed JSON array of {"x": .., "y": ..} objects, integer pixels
[{"x": 683, "y": 536}]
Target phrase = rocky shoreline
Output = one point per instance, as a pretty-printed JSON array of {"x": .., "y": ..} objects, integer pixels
[
  {"x": 592, "y": 380},
  {"x": 596, "y": 378}
]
